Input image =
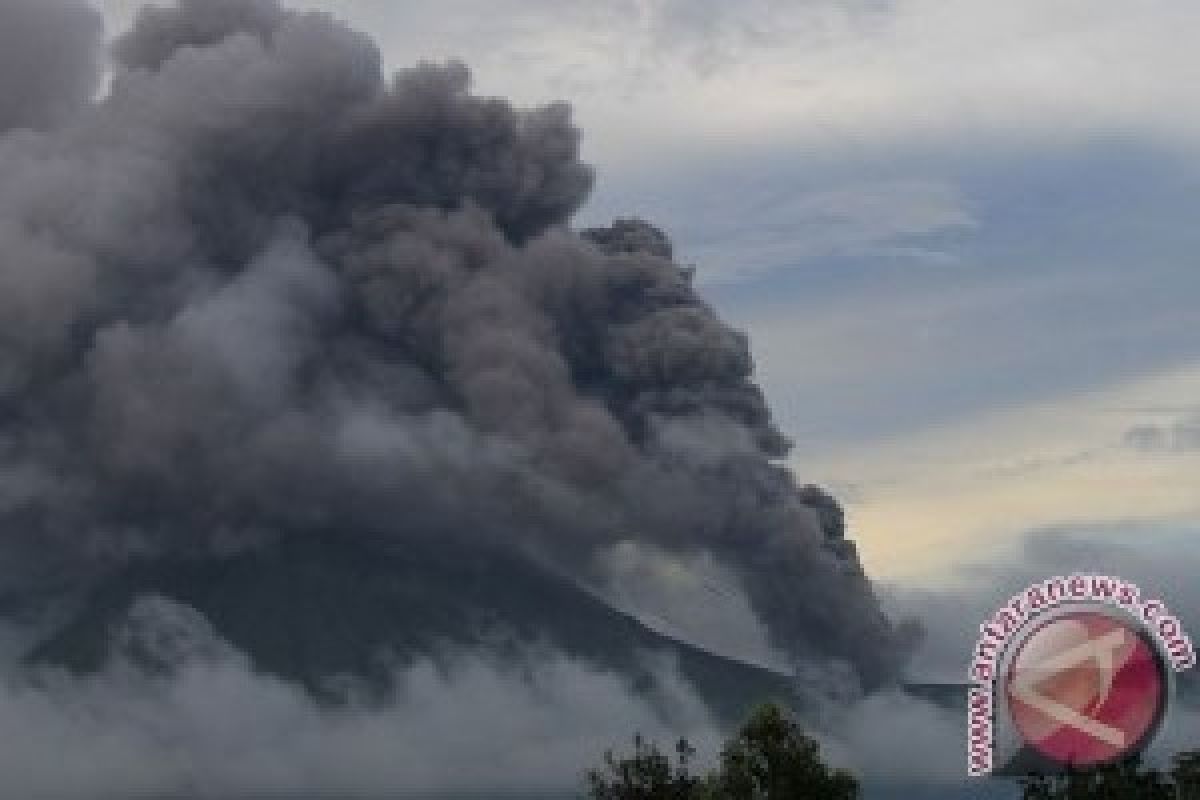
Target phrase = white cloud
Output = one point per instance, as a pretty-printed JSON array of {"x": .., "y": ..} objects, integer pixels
[
  {"x": 663, "y": 79},
  {"x": 212, "y": 727},
  {"x": 692, "y": 599},
  {"x": 207, "y": 725},
  {"x": 899, "y": 738}
]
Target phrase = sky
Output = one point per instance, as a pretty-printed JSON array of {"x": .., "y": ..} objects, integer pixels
[{"x": 959, "y": 234}]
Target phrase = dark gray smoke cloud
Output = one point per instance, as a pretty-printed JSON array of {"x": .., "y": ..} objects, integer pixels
[
  {"x": 49, "y": 60},
  {"x": 260, "y": 291}
]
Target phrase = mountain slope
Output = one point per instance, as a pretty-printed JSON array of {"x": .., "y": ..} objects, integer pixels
[{"x": 323, "y": 607}]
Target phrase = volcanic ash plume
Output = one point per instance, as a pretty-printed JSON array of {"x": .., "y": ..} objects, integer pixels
[{"x": 259, "y": 292}]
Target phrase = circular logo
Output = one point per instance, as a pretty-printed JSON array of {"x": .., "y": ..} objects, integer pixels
[{"x": 1086, "y": 688}]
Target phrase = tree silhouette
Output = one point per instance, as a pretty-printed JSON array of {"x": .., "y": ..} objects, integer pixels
[
  {"x": 1186, "y": 774},
  {"x": 648, "y": 774},
  {"x": 770, "y": 758},
  {"x": 1123, "y": 781}
]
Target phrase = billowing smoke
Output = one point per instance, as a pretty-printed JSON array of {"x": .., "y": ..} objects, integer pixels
[
  {"x": 49, "y": 61},
  {"x": 260, "y": 294}
]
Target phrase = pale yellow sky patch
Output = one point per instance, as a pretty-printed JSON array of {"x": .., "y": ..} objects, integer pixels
[{"x": 924, "y": 503}]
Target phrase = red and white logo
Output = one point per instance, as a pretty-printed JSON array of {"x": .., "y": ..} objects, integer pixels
[
  {"x": 1072, "y": 672},
  {"x": 1086, "y": 688}
]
